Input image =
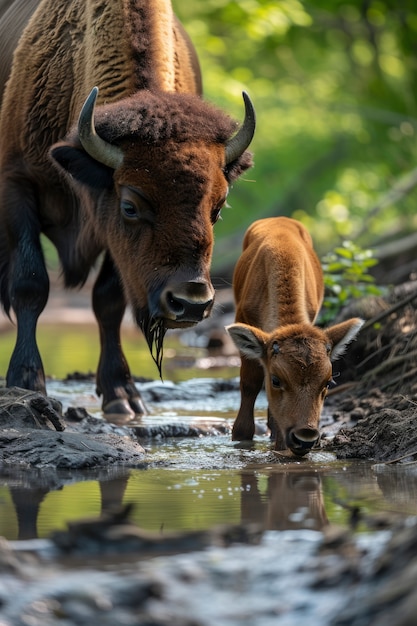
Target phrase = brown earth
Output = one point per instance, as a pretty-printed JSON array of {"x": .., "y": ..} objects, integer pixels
[{"x": 375, "y": 402}]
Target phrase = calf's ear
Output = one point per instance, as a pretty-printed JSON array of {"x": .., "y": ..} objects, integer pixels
[
  {"x": 342, "y": 334},
  {"x": 249, "y": 340}
]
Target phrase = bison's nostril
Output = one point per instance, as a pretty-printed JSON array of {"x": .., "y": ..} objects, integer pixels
[
  {"x": 174, "y": 305},
  {"x": 306, "y": 435},
  {"x": 186, "y": 302},
  {"x": 186, "y": 310}
]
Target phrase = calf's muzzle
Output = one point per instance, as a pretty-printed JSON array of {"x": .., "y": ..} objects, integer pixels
[{"x": 301, "y": 440}]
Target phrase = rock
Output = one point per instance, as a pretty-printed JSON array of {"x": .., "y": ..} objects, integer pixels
[
  {"x": 22, "y": 409},
  {"x": 39, "y": 449},
  {"x": 33, "y": 433}
]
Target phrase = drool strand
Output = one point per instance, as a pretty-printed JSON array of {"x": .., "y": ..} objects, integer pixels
[{"x": 154, "y": 332}]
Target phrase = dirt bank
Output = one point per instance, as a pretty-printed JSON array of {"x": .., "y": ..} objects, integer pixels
[{"x": 375, "y": 407}]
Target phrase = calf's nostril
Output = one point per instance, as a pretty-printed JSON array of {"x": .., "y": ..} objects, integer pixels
[
  {"x": 301, "y": 441},
  {"x": 306, "y": 435}
]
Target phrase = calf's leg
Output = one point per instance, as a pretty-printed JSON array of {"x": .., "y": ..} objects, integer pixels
[
  {"x": 276, "y": 434},
  {"x": 251, "y": 379},
  {"x": 114, "y": 381}
]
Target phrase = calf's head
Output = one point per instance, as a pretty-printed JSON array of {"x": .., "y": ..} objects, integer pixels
[
  {"x": 152, "y": 172},
  {"x": 297, "y": 361}
]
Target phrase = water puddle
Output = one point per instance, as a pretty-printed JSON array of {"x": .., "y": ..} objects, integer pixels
[{"x": 199, "y": 482}]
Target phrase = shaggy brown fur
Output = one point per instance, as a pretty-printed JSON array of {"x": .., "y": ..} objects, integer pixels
[
  {"x": 151, "y": 213},
  {"x": 14, "y": 15}
]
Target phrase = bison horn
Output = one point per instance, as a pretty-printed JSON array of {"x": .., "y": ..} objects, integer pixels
[
  {"x": 237, "y": 145},
  {"x": 92, "y": 143}
]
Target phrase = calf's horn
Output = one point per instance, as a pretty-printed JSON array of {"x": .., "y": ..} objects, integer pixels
[
  {"x": 92, "y": 143},
  {"x": 239, "y": 142}
]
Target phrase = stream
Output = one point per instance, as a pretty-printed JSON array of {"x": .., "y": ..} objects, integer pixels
[{"x": 197, "y": 482}]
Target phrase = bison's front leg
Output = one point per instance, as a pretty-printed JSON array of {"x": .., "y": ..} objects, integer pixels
[
  {"x": 28, "y": 289},
  {"x": 251, "y": 379},
  {"x": 114, "y": 381}
]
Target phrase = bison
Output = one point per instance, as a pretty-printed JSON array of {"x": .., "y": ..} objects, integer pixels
[
  {"x": 278, "y": 287},
  {"x": 134, "y": 174}
]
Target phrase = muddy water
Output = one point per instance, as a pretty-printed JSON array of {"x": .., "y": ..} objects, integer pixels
[{"x": 199, "y": 482}]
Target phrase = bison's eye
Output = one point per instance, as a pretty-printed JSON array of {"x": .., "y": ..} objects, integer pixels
[
  {"x": 331, "y": 383},
  {"x": 129, "y": 211},
  {"x": 276, "y": 383},
  {"x": 135, "y": 206}
]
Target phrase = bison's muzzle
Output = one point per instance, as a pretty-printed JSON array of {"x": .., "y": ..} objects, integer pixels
[
  {"x": 173, "y": 305},
  {"x": 183, "y": 304},
  {"x": 301, "y": 440}
]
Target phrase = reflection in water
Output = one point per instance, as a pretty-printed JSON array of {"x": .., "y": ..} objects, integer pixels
[
  {"x": 27, "y": 504},
  {"x": 197, "y": 483},
  {"x": 276, "y": 500},
  {"x": 278, "y": 497},
  {"x": 290, "y": 500}
]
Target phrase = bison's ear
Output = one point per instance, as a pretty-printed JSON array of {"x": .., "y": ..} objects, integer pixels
[
  {"x": 249, "y": 340},
  {"x": 342, "y": 334},
  {"x": 80, "y": 166},
  {"x": 234, "y": 169}
]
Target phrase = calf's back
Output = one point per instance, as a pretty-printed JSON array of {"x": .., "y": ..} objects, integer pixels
[{"x": 278, "y": 279}]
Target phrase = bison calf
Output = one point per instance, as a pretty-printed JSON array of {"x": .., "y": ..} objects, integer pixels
[{"x": 278, "y": 287}]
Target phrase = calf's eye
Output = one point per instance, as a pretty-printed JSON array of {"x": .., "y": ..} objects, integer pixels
[{"x": 276, "y": 383}]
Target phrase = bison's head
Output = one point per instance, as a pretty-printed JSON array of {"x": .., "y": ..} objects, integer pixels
[{"x": 153, "y": 173}]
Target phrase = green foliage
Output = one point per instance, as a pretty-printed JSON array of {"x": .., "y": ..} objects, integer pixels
[
  {"x": 346, "y": 278},
  {"x": 334, "y": 84}
]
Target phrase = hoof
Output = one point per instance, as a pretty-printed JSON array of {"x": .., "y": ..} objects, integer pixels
[
  {"x": 124, "y": 407},
  {"x": 136, "y": 404}
]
